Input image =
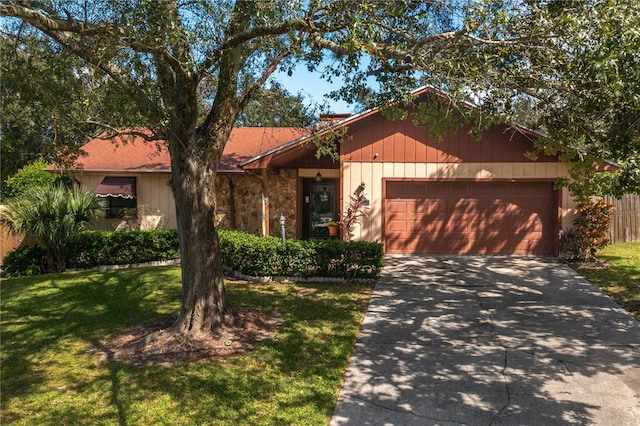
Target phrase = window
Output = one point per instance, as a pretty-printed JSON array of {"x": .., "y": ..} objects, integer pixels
[
  {"x": 120, "y": 193},
  {"x": 115, "y": 205}
]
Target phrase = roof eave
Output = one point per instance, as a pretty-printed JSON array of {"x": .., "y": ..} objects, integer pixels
[{"x": 100, "y": 170}]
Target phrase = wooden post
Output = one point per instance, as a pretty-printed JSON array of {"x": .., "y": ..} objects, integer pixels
[{"x": 265, "y": 209}]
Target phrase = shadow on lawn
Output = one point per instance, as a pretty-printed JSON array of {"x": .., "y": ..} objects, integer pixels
[
  {"x": 298, "y": 371},
  {"x": 45, "y": 312},
  {"x": 620, "y": 280},
  {"x": 42, "y": 315}
]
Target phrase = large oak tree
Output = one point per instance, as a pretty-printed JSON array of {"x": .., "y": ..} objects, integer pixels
[{"x": 562, "y": 58}]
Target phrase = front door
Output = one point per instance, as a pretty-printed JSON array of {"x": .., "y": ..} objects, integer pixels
[{"x": 319, "y": 207}]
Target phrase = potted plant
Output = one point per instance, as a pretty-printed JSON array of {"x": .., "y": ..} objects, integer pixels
[
  {"x": 333, "y": 228},
  {"x": 128, "y": 213}
]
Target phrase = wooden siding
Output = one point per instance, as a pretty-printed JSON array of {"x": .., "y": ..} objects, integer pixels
[
  {"x": 376, "y": 139},
  {"x": 152, "y": 191},
  {"x": 372, "y": 174}
]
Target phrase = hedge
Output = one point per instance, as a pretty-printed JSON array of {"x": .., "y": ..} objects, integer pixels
[
  {"x": 97, "y": 248},
  {"x": 246, "y": 253},
  {"x": 268, "y": 256},
  {"x": 24, "y": 262}
]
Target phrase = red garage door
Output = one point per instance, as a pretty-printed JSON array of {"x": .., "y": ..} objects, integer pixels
[{"x": 469, "y": 217}]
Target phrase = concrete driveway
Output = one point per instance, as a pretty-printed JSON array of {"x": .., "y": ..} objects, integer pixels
[{"x": 451, "y": 340}]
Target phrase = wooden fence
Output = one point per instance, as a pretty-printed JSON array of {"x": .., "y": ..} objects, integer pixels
[
  {"x": 8, "y": 242},
  {"x": 625, "y": 220}
]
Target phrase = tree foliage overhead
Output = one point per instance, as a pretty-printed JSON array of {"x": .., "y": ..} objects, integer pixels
[
  {"x": 573, "y": 62},
  {"x": 274, "y": 106},
  {"x": 51, "y": 100}
]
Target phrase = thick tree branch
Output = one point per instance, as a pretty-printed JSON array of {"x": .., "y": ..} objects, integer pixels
[
  {"x": 26, "y": 11},
  {"x": 271, "y": 68},
  {"x": 146, "y": 134},
  {"x": 309, "y": 24}
]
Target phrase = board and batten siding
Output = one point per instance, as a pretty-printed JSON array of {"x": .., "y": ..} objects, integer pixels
[
  {"x": 377, "y": 148},
  {"x": 152, "y": 191},
  {"x": 373, "y": 175}
]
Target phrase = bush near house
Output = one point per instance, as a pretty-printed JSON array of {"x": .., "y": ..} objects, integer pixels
[
  {"x": 589, "y": 233},
  {"x": 242, "y": 252},
  {"x": 54, "y": 216},
  {"x": 24, "y": 261},
  {"x": 347, "y": 259},
  {"x": 259, "y": 256},
  {"x": 269, "y": 256},
  {"x": 96, "y": 248}
]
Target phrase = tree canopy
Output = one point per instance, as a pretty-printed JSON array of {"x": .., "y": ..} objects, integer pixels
[
  {"x": 573, "y": 62},
  {"x": 51, "y": 101},
  {"x": 274, "y": 106},
  {"x": 31, "y": 175}
]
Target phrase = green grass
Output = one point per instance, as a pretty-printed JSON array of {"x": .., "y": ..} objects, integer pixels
[
  {"x": 50, "y": 377},
  {"x": 620, "y": 279}
]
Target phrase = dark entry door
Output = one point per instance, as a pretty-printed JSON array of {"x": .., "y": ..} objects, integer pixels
[{"x": 319, "y": 207}]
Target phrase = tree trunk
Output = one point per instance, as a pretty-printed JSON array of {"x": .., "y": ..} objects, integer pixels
[
  {"x": 204, "y": 303},
  {"x": 195, "y": 152}
]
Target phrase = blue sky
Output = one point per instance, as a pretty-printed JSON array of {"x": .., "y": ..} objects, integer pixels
[{"x": 312, "y": 87}]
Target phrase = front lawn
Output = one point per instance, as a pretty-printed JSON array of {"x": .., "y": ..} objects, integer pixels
[
  {"x": 51, "y": 375},
  {"x": 620, "y": 278}
]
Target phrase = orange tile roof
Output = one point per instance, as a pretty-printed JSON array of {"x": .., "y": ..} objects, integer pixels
[{"x": 129, "y": 153}]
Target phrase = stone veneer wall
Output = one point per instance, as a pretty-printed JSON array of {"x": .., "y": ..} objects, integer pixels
[
  {"x": 247, "y": 194},
  {"x": 283, "y": 191}
]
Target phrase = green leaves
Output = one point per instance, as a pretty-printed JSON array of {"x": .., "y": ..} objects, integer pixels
[
  {"x": 51, "y": 100},
  {"x": 269, "y": 256},
  {"x": 53, "y": 215},
  {"x": 31, "y": 175},
  {"x": 590, "y": 230}
]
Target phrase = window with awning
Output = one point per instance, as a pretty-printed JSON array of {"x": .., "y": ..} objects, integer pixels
[
  {"x": 117, "y": 186},
  {"x": 120, "y": 194}
]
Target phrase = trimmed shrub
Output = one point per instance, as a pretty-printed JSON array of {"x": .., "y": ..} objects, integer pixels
[
  {"x": 95, "y": 248},
  {"x": 24, "y": 262},
  {"x": 259, "y": 256},
  {"x": 246, "y": 253},
  {"x": 268, "y": 256},
  {"x": 589, "y": 233},
  {"x": 347, "y": 259}
]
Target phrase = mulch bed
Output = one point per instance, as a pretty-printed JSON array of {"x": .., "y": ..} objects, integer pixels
[{"x": 153, "y": 343}]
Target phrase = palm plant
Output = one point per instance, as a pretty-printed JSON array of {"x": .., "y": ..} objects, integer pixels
[{"x": 53, "y": 215}]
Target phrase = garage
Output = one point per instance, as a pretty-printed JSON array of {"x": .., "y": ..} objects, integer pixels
[{"x": 469, "y": 217}]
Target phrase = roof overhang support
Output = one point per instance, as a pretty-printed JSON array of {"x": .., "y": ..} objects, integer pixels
[{"x": 265, "y": 202}]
